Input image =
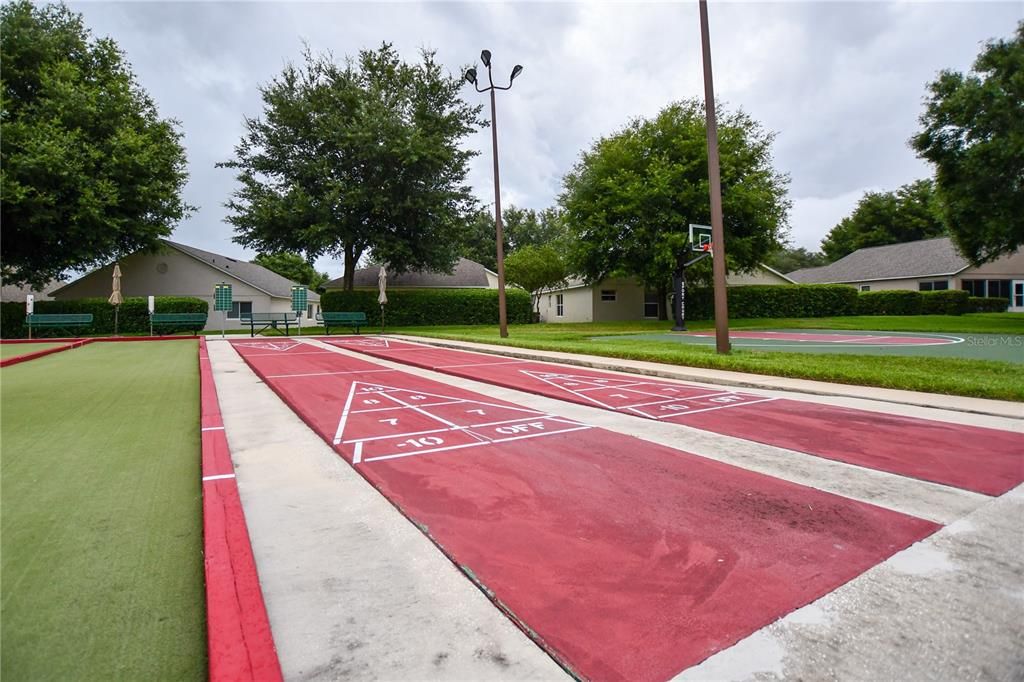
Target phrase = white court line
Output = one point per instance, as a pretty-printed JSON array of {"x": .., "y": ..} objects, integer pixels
[
  {"x": 392, "y": 408},
  {"x": 277, "y": 355},
  {"x": 634, "y": 383},
  {"x": 344, "y": 412},
  {"x": 705, "y": 409},
  {"x": 473, "y": 445},
  {"x": 357, "y": 456},
  {"x": 458, "y": 428},
  {"x": 482, "y": 364},
  {"x": 670, "y": 399},
  {"x": 321, "y": 374},
  {"x": 212, "y": 428},
  {"x": 218, "y": 477}
]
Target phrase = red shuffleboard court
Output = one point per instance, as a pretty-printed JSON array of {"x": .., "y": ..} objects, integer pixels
[
  {"x": 625, "y": 560},
  {"x": 988, "y": 461}
]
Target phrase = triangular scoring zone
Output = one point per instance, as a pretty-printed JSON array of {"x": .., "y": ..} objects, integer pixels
[
  {"x": 405, "y": 399},
  {"x": 362, "y": 341},
  {"x": 279, "y": 346}
]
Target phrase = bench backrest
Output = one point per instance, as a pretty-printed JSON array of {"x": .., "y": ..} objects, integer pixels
[
  {"x": 270, "y": 317},
  {"x": 179, "y": 317},
  {"x": 59, "y": 318},
  {"x": 341, "y": 317}
]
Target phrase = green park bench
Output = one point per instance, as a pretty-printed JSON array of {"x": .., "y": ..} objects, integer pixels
[
  {"x": 356, "y": 320},
  {"x": 194, "y": 322},
  {"x": 65, "y": 321},
  {"x": 268, "y": 320}
]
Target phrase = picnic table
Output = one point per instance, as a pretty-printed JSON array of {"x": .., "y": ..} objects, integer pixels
[{"x": 269, "y": 320}]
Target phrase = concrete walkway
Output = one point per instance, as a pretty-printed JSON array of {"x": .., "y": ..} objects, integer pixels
[
  {"x": 353, "y": 590},
  {"x": 356, "y": 591},
  {"x": 743, "y": 379}
]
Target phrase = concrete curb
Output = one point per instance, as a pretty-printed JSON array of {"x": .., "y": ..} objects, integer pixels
[
  {"x": 998, "y": 408},
  {"x": 241, "y": 646}
]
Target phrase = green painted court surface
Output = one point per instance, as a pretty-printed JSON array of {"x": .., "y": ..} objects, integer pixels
[
  {"x": 998, "y": 347},
  {"x": 10, "y": 350},
  {"x": 101, "y": 515}
]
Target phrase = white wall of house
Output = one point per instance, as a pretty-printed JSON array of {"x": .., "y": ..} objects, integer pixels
[
  {"x": 618, "y": 300},
  {"x": 172, "y": 273},
  {"x": 577, "y": 305}
]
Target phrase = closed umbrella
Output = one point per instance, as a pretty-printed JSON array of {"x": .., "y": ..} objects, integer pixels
[
  {"x": 115, "y": 295},
  {"x": 382, "y": 298}
]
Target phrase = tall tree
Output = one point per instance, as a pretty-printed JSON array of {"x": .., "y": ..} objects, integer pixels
[
  {"x": 789, "y": 259},
  {"x": 631, "y": 197},
  {"x": 363, "y": 157},
  {"x": 910, "y": 213},
  {"x": 294, "y": 267},
  {"x": 536, "y": 269},
  {"x": 88, "y": 170},
  {"x": 520, "y": 227},
  {"x": 973, "y": 132}
]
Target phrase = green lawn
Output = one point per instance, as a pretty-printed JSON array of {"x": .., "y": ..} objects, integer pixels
[
  {"x": 955, "y": 376},
  {"x": 101, "y": 515},
  {"x": 10, "y": 350}
]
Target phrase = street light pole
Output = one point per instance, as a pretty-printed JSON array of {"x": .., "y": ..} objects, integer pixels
[
  {"x": 714, "y": 179},
  {"x": 485, "y": 57}
]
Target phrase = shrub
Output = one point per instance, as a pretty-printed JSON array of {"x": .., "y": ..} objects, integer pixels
[
  {"x": 764, "y": 300},
  {"x": 133, "y": 318},
  {"x": 889, "y": 302},
  {"x": 950, "y": 302},
  {"x": 419, "y": 307},
  {"x": 979, "y": 304}
]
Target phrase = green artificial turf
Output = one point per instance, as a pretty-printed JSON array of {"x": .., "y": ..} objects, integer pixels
[
  {"x": 101, "y": 515},
  {"x": 954, "y": 376},
  {"x": 10, "y": 350}
]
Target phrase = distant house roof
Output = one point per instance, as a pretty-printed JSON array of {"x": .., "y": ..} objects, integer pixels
[
  {"x": 924, "y": 258},
  {"x": 10, "y": 292},
  {"x": 252, "y": 274},
  {"x": 466, "y": 274}
]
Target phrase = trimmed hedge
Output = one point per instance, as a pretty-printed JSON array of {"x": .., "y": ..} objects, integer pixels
[
  {"x": 133, "y": 317},
  {"x": 886, "y": 302},
  {"x": 419, "y": 307},
  {"x": 980, "y": 304},
  {"x": 949, "y": 302},
  {"x": 765, "y": 300}
]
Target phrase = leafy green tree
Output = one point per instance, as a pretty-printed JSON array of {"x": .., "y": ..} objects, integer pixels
[
  {"x": 910, "y": 213},
  {"x": 520, "y": 227},
  {"x": 294, "y": 267},
  {"x": 89, "y": 172},
  {"x": 364, "y": 157},
  {"x": 789, "y": 259},
  {"x": 973, "y": 132},
  {"x": 631, "y": 197},
  {"x": 536, "y": 269}
]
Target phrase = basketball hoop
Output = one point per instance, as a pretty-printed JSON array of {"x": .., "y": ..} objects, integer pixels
[{"x": 707, "y": 248}]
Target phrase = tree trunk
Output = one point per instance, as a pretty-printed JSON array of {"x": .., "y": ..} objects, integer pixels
[
  {"x": 663, "y": 300},
  {"x": 349, "y": 278}
]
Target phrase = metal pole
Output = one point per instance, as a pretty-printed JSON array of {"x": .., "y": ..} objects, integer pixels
[
  {"x": 717, "y": 230},
  {"x": 677, "y": 300},
  {"x": 499, "y": 233}
]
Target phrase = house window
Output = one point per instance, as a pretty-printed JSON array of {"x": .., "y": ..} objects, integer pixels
[
  {"x": 559, "y": 306},
  {"x": 309, "y": 311},
  {"x": 936, "y": 285},
  {"x": 607, "y": 294},
  {"x": 987, "y": 288},
  {"x": 999, "y": 288},
  {"x": 651, "y": 304},
  {"x": 240, "y": 309},
  {"x": 974, "y": 287},
  {"x": 865, "y": 287},
  {"x": 1018, "y": 294}
]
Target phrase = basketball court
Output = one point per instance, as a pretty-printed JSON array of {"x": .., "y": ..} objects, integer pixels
[{"x": 999, "y": 347}]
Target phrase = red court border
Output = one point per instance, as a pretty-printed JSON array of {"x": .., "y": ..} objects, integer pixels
[
  {"x": 241, "y": 645},
  {"x": 40, "y": 353},
  {"x": 76, "y": 343}
]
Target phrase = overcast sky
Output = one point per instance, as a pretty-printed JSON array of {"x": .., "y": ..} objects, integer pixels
[{"x": 841, "y": 83}]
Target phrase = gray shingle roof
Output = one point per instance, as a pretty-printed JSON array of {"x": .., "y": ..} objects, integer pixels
[
  {"x": 923, "y": 258},
  {"x": 250, "y": 273},
  {"x": 10, "y": 292},
  {"x": 467, "y": 274}
]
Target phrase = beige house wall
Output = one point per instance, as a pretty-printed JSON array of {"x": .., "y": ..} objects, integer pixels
[
  {"x": 578, "y": 305},
  {"x": 1007, "y": 267},
  {"x": 903, "y": 284},
  {"x": 628, "y": 303},
  {"x": 142, "y": 275}
]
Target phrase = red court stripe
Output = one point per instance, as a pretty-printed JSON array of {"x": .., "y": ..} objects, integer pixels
[
  {"x": 624, "y": 559},
  {"x": 40, "y": 353},
  {"x": 241, "y": 645},
  {"x": 989, "y": 461}
]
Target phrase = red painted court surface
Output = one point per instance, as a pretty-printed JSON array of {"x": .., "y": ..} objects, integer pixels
[
  {"x": 988, "y": 461},
  {"x": 846, "y": 339},
  {"x": 625, "y": 560}
]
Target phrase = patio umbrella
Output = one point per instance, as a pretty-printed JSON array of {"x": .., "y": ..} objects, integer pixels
[
  {"x": 115, "y": 295},
  {"x": 382, "y": 298}
]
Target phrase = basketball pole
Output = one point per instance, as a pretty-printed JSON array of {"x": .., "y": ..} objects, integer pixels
[{"x": 714, "y": 180}]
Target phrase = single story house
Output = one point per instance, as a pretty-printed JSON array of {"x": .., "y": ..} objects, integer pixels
[
  {"x": 621, "y": 299},
  {"x": 467, "y": 274},
  {"x": 180, "y": 270},
  {"x": 925, "y": 265}
]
